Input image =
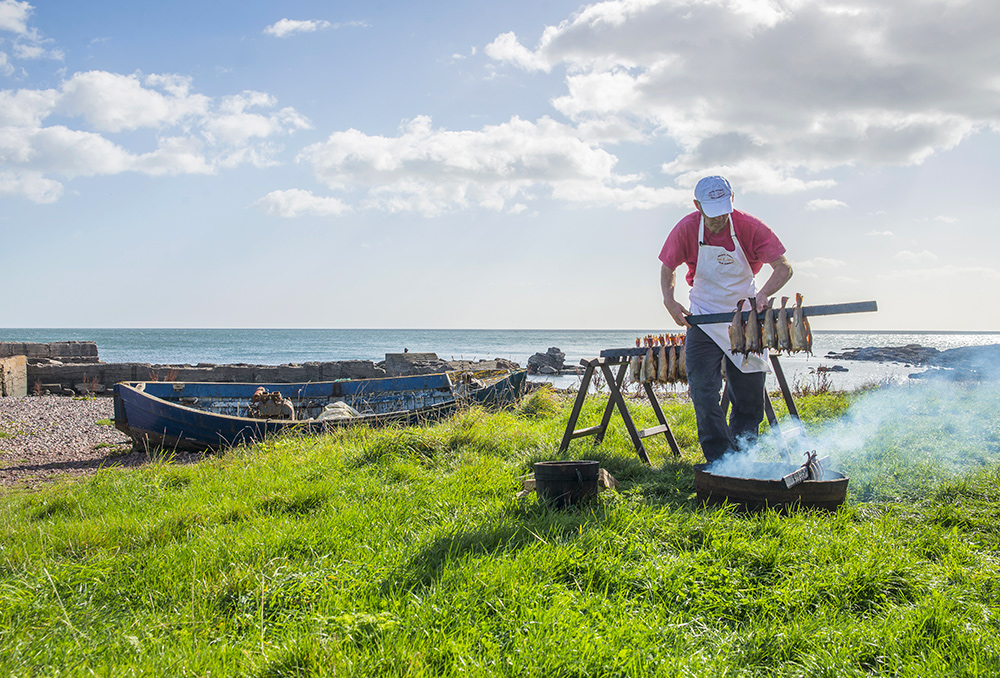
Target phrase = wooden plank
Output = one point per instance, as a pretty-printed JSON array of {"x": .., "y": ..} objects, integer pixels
[
  {"x": 583, "y": 432},
  {"x": 627, "y": 352},
  {"x": 808, "y": 311},
  {"x": 647, "y": 432}
]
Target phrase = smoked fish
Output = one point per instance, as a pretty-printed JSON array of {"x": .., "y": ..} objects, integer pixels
[
  {"x": 769, "y": 335},
  {"x": 783, "y": 327},
  {"x": 800, "y": 328},
  {"x": 737, "y": 339},
  {"x": 752, "y": 330}
]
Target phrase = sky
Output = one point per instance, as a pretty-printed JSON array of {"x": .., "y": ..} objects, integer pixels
[{"x": 488, "y": 165}]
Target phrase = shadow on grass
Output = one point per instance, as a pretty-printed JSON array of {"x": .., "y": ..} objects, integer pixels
[
  {"x": 670, "y": 483},
  {"x": 520, "y": 525}
]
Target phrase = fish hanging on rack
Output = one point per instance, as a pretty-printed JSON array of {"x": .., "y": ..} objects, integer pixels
[
  {"x": 801, "y": 332},
  {"x": 737, "y": 338},
  {"x": 752, "y": 330},
  {"x": 648, "y": 366},
  {"x": 784, "y": 328},
  {"x": 635, "y": 365},
  {"x": 769, "y": 333},
  {"x": 663, "y": 361},
  {"x": 672, "y": 367}
]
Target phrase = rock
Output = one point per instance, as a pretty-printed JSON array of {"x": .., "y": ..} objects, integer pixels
[
  {"x": 475, "y": 366},
  {"x": 965, "y": 363},
  {"x": 553, "y": 358},
  {"x": 547, "y": 369},
  {"x": 407, "y": 364},
  {"x": 913, "y": 354}
]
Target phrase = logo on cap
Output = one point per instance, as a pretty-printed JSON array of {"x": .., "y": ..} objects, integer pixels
[{"x": 717, "y": 193}]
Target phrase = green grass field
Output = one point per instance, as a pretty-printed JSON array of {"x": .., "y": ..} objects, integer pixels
[{"x": 404, "y": 551}]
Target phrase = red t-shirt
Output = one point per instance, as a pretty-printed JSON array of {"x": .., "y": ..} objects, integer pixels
[{"x": 759, "y": 242}]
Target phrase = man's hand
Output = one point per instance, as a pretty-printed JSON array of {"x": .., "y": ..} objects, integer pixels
[{"x": 677, "y": 312}]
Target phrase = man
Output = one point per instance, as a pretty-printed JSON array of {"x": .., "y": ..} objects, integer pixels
[{"x": 723, "y": 249}]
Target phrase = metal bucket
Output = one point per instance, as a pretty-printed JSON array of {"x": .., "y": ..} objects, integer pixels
[
  {"x": 754, "y": 493},
  {"x": 566, "y": 482}
]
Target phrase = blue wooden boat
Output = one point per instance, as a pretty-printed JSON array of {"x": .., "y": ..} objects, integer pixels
[{"x": 200, "y": 416}]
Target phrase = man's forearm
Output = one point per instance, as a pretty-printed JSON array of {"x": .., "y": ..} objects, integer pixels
[
  {"x": 668, "y": 281},
  {"x": 781, "y": 274}
]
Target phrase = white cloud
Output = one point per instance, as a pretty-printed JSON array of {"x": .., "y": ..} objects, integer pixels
[
  {"x": 879, "y": 233},
  {"x": 14, "y": 16},
  {"x": 26, "y": 107},
  {"x": 195, "y": 134},
  {"x": 824, "y": 204},
  {"x": 174, "y": 155},
  {"x": 800, "y": 87},
  {"x": 506, "y": 48},
  {"x": 235, "y": 124},
  {"x": 28, "y": 52},
  {"x": 27, "y": 44},
  {"x": 111, "y": 102},
  {"x": 432, "y": 171},
  {"x": 909, "y": 257},
  {"x": 287, "y": 27},
  {"x": 296, "y": 202},
  {"x": 32, "y": 185}
]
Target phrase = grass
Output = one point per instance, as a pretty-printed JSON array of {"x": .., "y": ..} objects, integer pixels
[{"x": 403, "y": 551}]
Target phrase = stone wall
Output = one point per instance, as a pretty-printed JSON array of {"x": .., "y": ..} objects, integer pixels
[
  {"x": 63, "y": 351},
  {"x": 72, "y": 367},
  {"x": 100, "y": 377},
  {"x": 14, "y": 376}
]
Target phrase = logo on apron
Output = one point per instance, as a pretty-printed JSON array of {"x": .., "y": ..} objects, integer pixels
[{"x": 725, "y": 259}]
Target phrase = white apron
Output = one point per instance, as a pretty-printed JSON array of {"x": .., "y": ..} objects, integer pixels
[{"x": 721, "y": 279}]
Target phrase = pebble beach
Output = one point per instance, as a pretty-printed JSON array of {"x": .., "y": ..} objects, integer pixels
[{"x": 48, "y": 438}]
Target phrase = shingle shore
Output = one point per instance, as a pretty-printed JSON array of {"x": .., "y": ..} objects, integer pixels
[{"x": 47, "y": 437}]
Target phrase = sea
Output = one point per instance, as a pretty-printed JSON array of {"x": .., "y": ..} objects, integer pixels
[{"x": 282, "y": 346}]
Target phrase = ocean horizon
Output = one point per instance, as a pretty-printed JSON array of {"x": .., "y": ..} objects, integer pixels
[{"x": 190, "y": 346}]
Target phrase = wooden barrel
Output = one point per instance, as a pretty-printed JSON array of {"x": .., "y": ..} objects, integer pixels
[
  {"x": 754, "y": 493},
  {"x": 566, "y": 482}
]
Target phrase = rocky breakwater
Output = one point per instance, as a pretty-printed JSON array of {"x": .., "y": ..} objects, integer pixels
[
  {"x": 98, "y": 378},
  {"x": 73, "y": 368},
  {"x": 977, "y": 363},
  {"x": 550, "y": 363}
]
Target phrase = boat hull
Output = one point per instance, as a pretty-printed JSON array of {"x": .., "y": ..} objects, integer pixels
[{"x": 198, "y": 416}]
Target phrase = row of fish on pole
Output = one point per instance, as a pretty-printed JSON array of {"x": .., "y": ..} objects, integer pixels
[
  {"x": 662, "y": 362},
  {"x": 770, "y": 329}
]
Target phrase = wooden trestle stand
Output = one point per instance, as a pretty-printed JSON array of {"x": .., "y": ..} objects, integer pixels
[{"x": 620, "y": 357}]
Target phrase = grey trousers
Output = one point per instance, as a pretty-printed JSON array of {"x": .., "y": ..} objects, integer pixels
[{"x": 746, "y": 395}]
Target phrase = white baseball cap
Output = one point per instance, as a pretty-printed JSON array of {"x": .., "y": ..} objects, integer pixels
[{"x": 715, "y": 196}]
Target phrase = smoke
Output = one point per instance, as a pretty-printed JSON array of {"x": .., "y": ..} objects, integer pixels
[{"x": 895, "y": 442}]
